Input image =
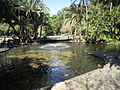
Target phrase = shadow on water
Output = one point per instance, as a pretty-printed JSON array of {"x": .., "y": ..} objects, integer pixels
[
  {"x": 24, "y": 74},
  {"x": 27, "y": 69},
  {"x": 33, "y": 67}
]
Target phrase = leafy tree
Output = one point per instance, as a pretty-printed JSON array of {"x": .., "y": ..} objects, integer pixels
[
  {"x": 99, "y": 20},
  {"x": 28, "y": 14}
]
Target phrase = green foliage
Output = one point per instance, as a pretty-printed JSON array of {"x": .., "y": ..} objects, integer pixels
[
  {"x": 55, "y": 24},
  {"x": 56, "y": 21},
  {"x": 24, "y": 17},
  {"x": 3, "y": 26},
  {"x": 100, "y": 24},
  {"x": 98, "y": 20}
]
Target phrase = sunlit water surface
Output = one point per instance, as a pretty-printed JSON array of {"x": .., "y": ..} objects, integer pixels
[{"x": 62, "y": 61}]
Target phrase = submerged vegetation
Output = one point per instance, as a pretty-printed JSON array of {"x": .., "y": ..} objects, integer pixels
[{"x": 45, "y": 57}]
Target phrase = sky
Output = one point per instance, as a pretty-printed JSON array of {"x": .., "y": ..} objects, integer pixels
[{"x": 55, "y": 5}]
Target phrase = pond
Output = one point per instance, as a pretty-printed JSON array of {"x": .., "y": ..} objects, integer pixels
[{"x": 33, "y": 67}]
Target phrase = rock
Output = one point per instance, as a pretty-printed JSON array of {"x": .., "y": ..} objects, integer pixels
[
  {"x": 106, "y": 78},
  {"x": 69, "y": 85},
  {"x": 100, "y": 79},
  {"x": 3, "y": 49}
]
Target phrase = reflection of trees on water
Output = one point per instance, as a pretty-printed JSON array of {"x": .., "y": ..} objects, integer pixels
[
  {"x": 82, "y": 62},
  {"x": 27, "y": 68},
  {"x": 20, "y": 75}
]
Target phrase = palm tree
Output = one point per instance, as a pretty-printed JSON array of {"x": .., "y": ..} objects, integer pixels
[
  {"x": 23, "y": 13},
  {"x": 78, "y": 15},
  {"x": 30, "y": 11}
]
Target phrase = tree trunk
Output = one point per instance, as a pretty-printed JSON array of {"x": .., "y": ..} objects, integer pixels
[
  {"x": 111, "y": 4},
  {"x": 40, "y": 31}
]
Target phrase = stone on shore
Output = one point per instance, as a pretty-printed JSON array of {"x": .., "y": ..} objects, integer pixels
[
  {"x": 3, "y": 49},
  {"x": 107, "y": 78}
]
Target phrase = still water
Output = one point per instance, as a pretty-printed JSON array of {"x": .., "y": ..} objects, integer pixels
[{"x": 33, "y": 67}]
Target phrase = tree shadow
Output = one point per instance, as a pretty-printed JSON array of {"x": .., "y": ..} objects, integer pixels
[
  {"x": 108, "y": 57},
  {"x": 115, "y": 61},
  {"x": 22, "y": 74},
  {"x": 112, "y": 58}
]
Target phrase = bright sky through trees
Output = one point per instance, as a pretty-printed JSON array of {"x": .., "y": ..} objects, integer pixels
[{"x": 55, "y": 5}]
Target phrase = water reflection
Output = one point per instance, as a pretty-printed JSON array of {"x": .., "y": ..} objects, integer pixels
[
  {"x": 58, "y": 71},
  {"x": 57, "y": 74},
  {"x": 56, "y": 46},
  {"x": 21, "y": 76},
  {"x": 60, "y": 61}
]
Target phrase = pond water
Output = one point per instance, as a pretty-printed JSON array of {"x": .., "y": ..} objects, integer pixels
[{"x": 60, "y": 61}]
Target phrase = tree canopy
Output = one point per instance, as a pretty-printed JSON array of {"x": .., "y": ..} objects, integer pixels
[
  {"x": 97, "y": 20},
  {"x": 27, "y": 15},
  {"x": 92, "y": 20}
]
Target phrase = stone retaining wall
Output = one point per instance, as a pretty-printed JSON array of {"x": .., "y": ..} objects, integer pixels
[
  {"x": 100, "y": 79},
  {"x": 106, "y": 78}
]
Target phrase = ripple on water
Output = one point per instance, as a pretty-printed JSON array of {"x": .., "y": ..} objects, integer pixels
[{"x": 55, "y": 46}]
